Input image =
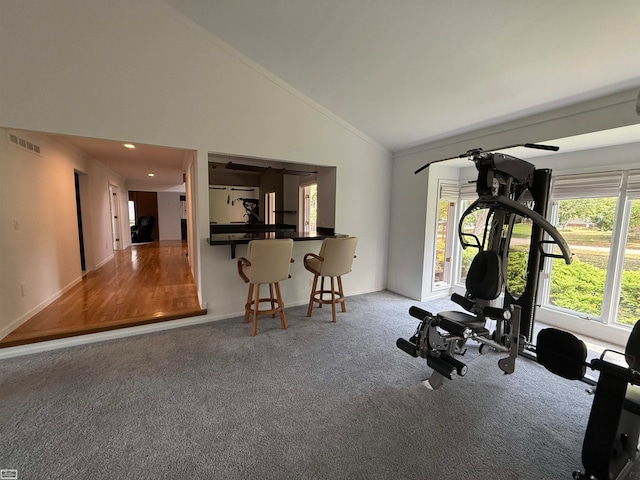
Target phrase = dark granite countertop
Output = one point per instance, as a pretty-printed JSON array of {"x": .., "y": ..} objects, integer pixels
[{"x": 242, "y": 238}]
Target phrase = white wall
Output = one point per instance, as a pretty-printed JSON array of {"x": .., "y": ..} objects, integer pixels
[
  {"x": 327, "y": 198},
  {"x": 39, "y": 236},
  {"x": 139, "y": 71},
  {"x": 169, "y": 216}
]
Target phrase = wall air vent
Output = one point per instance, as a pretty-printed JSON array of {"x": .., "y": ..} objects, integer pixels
[{"x": 24, "y": 144}]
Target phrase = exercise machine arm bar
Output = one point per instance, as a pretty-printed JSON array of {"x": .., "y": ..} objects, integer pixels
[
  {"x": 478, "y": 151},
  {"x": 504, "y": 203}
]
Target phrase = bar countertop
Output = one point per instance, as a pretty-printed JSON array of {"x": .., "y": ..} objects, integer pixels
[{"x": 243, "y": 238}]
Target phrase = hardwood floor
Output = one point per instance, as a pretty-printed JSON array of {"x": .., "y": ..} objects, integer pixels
[{"x": 143, "y": 284}]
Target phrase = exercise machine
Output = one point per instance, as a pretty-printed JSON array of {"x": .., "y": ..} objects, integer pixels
[
  {"x": 610, "y": 445},
  {"x": 510, "y": 191},
  {"x": 251, "y": 208}
]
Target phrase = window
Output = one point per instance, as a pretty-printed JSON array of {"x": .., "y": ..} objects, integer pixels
[
  {"x": 596, "y": 221},
  {"x": 270, "y": 208},
  {"x": 132, "y": 213},
  {"x": 309, "y": 195},
  {"x": 445, "y": 234},
  {"x": 473, "y": 226},
  {"x": 599, "y": 217},
  {"x": 518, "y": 256},
  {"x": 580, "y": 286},
  {"x": 628, "y": 305}
]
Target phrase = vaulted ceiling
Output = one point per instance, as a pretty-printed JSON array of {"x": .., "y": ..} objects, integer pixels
[{"x": 406, "y": 72}]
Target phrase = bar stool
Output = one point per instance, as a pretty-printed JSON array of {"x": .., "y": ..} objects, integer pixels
[
  {"x": 267, "y": 262},
  {"x": 334, "y": 260}
]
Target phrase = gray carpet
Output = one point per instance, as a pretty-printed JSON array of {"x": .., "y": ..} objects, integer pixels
[{"x": 315, "y": 401}]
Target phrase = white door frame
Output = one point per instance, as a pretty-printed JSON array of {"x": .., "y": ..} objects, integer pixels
[{"x": 114, "y": 204}]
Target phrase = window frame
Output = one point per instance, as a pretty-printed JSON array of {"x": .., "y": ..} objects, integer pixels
[
  {"x": 448, "y": 191},
  {"x": 304, "y": 192},
  {"x": 619, "y": 235}
]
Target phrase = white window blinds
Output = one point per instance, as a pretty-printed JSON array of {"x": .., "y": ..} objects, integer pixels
[
  {"x": 468, "y": 191},
  {"x": 606, "y": 184},
  {"x": 633, "y": 185},
  {"x": 449, "y": 192}
]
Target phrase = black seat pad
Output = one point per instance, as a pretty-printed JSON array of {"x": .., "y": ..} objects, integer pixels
[
  {"x": 484, "y": 278},
  {"x": 476, "y": 326}
]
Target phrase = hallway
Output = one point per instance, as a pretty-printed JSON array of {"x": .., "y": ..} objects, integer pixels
[{"x": 143, "y": 284}]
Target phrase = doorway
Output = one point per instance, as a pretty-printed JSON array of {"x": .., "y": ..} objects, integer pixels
[
  {"x": 95, "y": 164},
  {"x": 146, "y": 209}
]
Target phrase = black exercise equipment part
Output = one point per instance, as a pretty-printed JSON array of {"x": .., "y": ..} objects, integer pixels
[
  {"x": 477, "y": 151},
  {"x": 251, "y": 208},
  {"x": 610, "y": 445},
  {"x": 511, "y": 190}
]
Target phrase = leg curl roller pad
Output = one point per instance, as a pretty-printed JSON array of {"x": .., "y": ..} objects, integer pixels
[
  {"x": 461, "y": 368},
  {"x": 407, "y": 347},
  {"x": 442, "y": 367},
  {"x": 417, "y": 312},
  {"x": 456, "y": 328}
]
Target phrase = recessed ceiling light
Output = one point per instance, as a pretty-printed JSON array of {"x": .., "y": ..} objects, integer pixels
[
  {"x": 151, "y": 174},
  {"x": 129, "y": 145}
]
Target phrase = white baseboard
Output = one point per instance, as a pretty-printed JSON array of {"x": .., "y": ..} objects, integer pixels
[
  {"x": 39, "y": 347},
  {"x": 105, "y": 261},
  {"x": 37, "y": 309},
  {"x": 436, "y": 296},
  {"x": 45, "y": 303},
  {"x": 365, "y": 291}
]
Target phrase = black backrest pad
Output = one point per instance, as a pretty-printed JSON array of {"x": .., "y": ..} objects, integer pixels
[
  {"x": 562, "y": 353},
  {"x": 632, "y": 351},
  {"x": 484, "y": 279}
]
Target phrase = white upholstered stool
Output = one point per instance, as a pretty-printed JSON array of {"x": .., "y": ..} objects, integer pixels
[
  {"x": 267, "y": 262},
  {"x": 334, "y": 260}
]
